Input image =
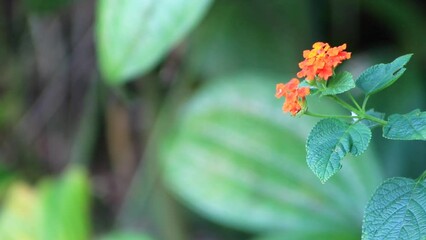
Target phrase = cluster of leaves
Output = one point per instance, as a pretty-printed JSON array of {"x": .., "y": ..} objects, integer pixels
[
  {"x": 332, "y": 138},
  {"x": 398, "y": 208}
]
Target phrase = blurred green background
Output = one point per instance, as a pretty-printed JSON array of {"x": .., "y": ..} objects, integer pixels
[{"x": 147, "y": 119}]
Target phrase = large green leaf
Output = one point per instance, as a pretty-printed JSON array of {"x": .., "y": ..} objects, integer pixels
[
  {"x": 306, "y": 236},
  {"x": 45, "y": 6},
  {"x": 330, "y": 141},
  {"x": 410, "y": 126},
  {"x": 133, "y": 35},
  {"x": 397, "y": 210},
  {"x": 56, "y": 210},
  {"x": 125, "y": 236},
  {"x": 339, "y": 83},
  {"x": 65, "y": 207},
  {"x": 381, "y": 76},
  {"x": 237, "y": 159}
]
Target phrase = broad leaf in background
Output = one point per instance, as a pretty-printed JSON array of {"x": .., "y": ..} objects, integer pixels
[
  {"x": 381, "y": 76},
  {"x": 339, "y": 83},
  {"x": 309, "y": 236},
  {"x": 133, "y": 35},
  {"x": 232, "y": 38},
  {"x": 397, "y": 210},
  {"x": 18, "y": 215},
  {"x": 45, "y": 6},
  {"x": 236, "y": 159},
  {"x": 126, "y": 236},
  {"x": 57, "y": 210},
  {"x": 330, "y": 141},
  {"x": 6, "y": 179},
  {"x": 410, "y": 126},
  {"x": 65, "y": 205}
]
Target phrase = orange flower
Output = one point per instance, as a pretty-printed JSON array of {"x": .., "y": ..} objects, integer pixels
[
  {"x": 321, "y": 60},
  {"x": 294, "y": 96}
]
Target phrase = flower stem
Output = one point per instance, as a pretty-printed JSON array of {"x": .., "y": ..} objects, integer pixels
[
  {"x": 328, "y": 116},
  {"x": 361, "y": 113}
]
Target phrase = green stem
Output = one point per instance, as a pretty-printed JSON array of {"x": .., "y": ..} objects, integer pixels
[
  {"x": 364, "y": 103},
  {"x": 422, "y": 177},
  {"x": 355, "y": 102},
  {"x": 374, "y": 119},
  {"x": 361, "y": 113},
  {"x": 328, "y": 116},
  {"x": 345, "y": 105}
]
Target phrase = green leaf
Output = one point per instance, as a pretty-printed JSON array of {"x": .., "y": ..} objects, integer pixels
[
  {"x": 397, "y": 210},
  {"x": 134, "y": 35},
  {"x": 45, "y": 6},
  {"x": 65, "y": 207},
  {"x": 410, "y": 126},
  {"x": 381, "y": 76},
  {"x": 306, "y": 235},
  {"x": 18, "y": 214},
  {"x": 372, "y": 124},
  {"x": 330, "y": 141},
  {"x": 339, "y": 83},
  {"x": 125, "y": 236},
  {"x": 57, "y": 210},
  {"x": 233, "y": 153}
]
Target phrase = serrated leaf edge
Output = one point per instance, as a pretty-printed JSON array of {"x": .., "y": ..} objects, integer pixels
[
  {"x": 382, "y": 64},
  {"x": 323, "y": 180}
]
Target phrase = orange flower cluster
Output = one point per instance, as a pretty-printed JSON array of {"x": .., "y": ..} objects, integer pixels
[
  {"x": 321, "y": 60},
  {"x": 294, "y": 96}
]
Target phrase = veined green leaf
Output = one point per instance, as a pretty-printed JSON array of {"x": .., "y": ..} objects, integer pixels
[
  {"x": 397, "y": 210},
  {"x": 339, "y": 83},
  {"x": 381, "y": 76},
  {"x": 133, "y": 35},
  {"x": 307, "y": 235},
  {"x": 330, "y": 141},
  {"x": 410, "y": 126},
  {"x": 234, "y": 153}
]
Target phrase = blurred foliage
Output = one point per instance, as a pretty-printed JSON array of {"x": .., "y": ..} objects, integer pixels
[
  {"x": 125, "y": 236},
  {"x": 229, "y": 161},
  {"x": 55, "y": 209},
  {"x": 134, "y": 35},
  {"x": 46, "y": 6},
  {"x": 190, "y": 143}
]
